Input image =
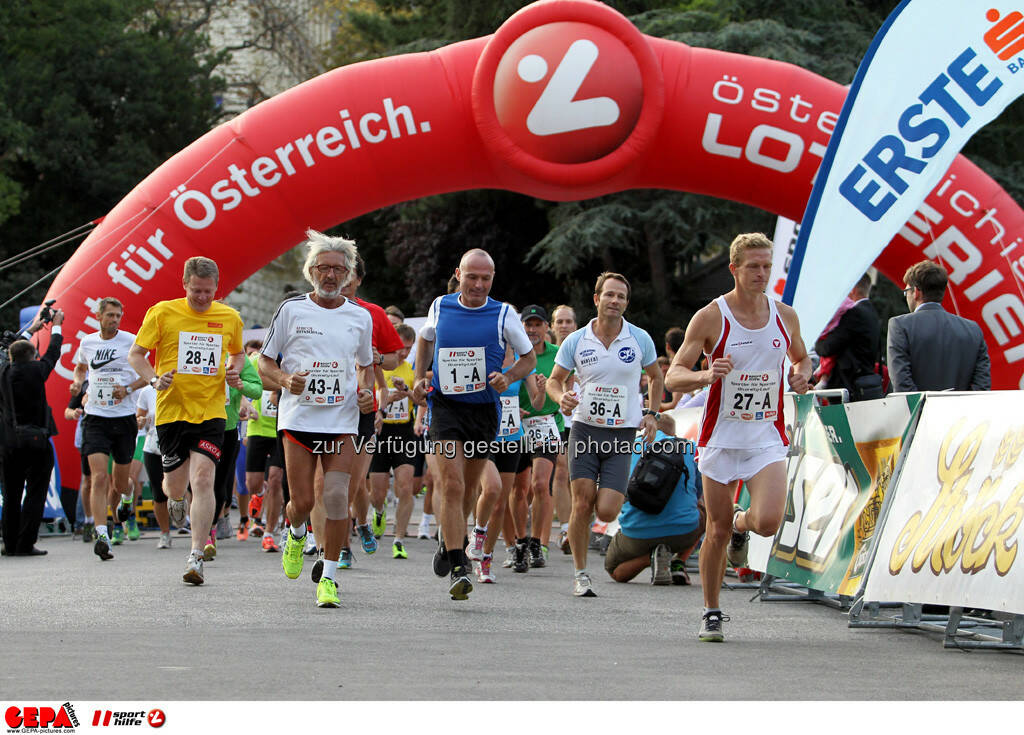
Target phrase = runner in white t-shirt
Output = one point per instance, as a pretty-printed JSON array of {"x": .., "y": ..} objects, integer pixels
[
  {"x": 109, "y": 427},
  {"x": 145, "y": 411},
  {"x": 325, "y": 345},
  {"x": 608, "y": 355},
  {"x": 746, "y": 336}
]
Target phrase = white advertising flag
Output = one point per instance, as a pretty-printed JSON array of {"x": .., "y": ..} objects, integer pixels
[
  {"x": 784, "y": 243},
  {"x": 936, "y": 72}
]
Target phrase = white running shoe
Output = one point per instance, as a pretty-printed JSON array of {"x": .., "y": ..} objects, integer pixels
[
  {"x": 177, "y": 510},
  {"x": 165, "y": 541},
  {"x": 582, "y": 586},
  {"x": 475, "y": 548}
]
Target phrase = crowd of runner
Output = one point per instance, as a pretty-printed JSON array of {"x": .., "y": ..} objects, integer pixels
[{"x": 506, "y": 418}]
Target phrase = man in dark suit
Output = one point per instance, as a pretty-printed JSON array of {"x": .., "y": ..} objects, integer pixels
[
  {"x": 28, "y": 468},
  {"x": 853, "y": 342},
  {"x": 929, "y": 348}
]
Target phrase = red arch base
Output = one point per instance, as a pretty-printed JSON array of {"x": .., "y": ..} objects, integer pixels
[{"x": 566, "y": 101}]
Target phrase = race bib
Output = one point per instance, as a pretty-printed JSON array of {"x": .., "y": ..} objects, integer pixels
[
  {"x": 604, "y": 405},
  {"x": 325, "y": 385},
  {"x": 462, "y": 370},
  {"x": 199, "y": 353},
  {"x": 541, "y": 431},
  {"x": 101, "y": 389},
  {"x": 267, "y": 406},
  {"x": 750, "y": 397},
  {"x": 398, "y": 412},
  {"x": 510, "y": 421}
]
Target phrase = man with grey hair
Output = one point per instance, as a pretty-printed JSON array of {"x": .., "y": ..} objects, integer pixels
[
  {"x": 325, "y": 344},
  {"x": 109, "y": 427},
  {"x": 190, "y": 337},
  {"x": 464, "y": 340}
]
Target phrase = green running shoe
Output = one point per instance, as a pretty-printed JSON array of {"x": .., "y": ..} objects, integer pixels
[
  {"x": 292, "y": 557},
  {"x": 88, "y": 532},
  {"x": 398, "y": 550},
  {"x": 118, "y": 538},
  {"x": 379, "y": 523},
  {"x": 124, "y": 508},
  {"x": 327, "y": 593},
  {"x": 133, "y": 530}
]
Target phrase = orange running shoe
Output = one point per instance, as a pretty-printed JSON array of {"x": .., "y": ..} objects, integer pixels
[
  {"x": 269, "y": 544},
  {"x": 255, "y": 506},
  {"x": 243, "y": 531}
]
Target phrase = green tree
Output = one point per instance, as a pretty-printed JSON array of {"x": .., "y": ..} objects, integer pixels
[{"x": 94, "y": 94}]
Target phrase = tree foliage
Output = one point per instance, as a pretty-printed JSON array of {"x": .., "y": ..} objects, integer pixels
[{"x": 94, "y": 94}]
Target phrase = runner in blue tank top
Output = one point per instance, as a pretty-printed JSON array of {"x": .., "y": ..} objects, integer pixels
[{"x": 464, "y": 341}]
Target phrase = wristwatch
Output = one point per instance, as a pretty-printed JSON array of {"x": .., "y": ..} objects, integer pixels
[
  {"x": 153, "y": 381},
  {"x": 128, "y": 390},
  {"x": 649, "y": 412}
]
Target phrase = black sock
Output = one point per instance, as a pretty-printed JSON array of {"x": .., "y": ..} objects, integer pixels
[{"x": 455, "y": 557}]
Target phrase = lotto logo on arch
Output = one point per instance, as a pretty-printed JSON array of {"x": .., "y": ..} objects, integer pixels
[{"x": 568, "y": 92}]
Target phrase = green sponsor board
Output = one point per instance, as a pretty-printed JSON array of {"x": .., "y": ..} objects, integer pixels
[{"x": 841, "y": 459}]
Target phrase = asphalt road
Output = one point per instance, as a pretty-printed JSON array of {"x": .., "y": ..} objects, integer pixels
[{"x": 75, "y": 627}]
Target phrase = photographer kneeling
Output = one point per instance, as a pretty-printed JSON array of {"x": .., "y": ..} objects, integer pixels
[
  {"x": 27, "y": 454},
  {"x": 667, "y": 485}
]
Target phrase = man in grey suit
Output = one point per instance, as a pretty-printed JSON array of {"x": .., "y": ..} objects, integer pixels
[{"x": 929, "y": 348}]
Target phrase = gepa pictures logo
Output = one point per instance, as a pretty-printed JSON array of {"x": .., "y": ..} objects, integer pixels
[{"x": 41, "y": 719}]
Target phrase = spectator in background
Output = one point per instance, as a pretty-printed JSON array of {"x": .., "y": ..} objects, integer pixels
[
  {"x": 929, "y": 348},
  {"x": 663, "y": 541},
  {"x": 395, "y": 315},
  {"x": 673, "y": 341},
  {"x": 854, "y": 345},
  {"x": 28, "y": 456}
]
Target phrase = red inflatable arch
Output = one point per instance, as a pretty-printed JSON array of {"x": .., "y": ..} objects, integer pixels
[{"x": 567, "y": 101}]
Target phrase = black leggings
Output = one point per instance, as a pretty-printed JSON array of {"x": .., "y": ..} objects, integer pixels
[
  {"x": 224, "y": 480},
  {"x": 155, "y": 471}
]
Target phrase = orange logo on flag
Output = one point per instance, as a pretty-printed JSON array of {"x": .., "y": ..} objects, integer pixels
[{"x": 1006, "y": 37}]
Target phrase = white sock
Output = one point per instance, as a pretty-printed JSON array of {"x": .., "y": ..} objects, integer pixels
[
  {"x": 330, "y": 567},
  {"x": 101, "y": 531},
  {"x": 88, "y": 519},
  {"x": 428, "y": 517},
  {"x": 299, "y": 532},
  {"x": 581, "y": 571}
]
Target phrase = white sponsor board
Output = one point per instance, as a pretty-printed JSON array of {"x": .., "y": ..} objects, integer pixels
[
  {"x": 953, "y": 529},
  {"x": 936, "y": 72}
]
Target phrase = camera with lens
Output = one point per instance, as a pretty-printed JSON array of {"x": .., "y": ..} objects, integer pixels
[{"x": 46, "y": 313}]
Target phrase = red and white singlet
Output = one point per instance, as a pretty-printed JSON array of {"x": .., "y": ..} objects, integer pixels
[{"x": 744, "y": 407}]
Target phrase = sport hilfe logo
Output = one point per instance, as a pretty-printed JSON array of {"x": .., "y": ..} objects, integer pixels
[{"x": 568, "y": 92}]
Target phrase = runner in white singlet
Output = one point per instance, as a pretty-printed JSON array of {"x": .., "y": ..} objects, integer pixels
[{"x": 746, "y": 337}]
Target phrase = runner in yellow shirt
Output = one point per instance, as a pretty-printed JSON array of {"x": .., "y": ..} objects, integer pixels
[{"x": 189, "y": 337}]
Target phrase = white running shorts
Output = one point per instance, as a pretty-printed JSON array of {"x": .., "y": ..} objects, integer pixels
[{"x": 728, "y": 465}]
